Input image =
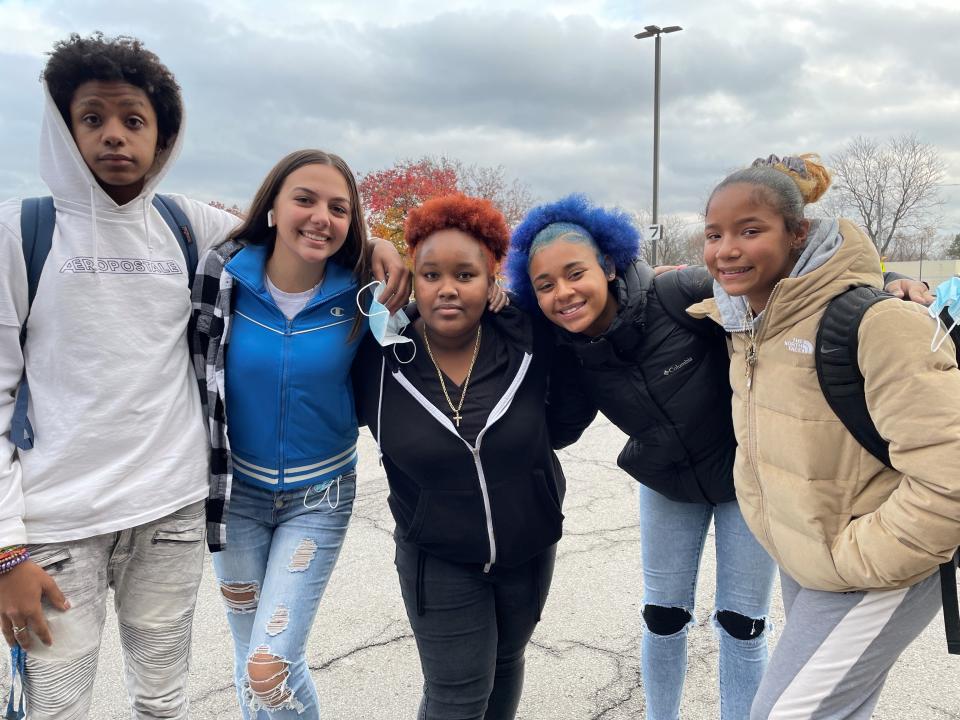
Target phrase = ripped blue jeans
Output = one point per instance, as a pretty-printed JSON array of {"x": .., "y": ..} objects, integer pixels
[
  {"x": 672, "y": 536},
  {"x": 281, "y": 549}
]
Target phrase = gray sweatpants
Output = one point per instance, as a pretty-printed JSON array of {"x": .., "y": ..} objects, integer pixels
[{"x": 836, "y": 649}]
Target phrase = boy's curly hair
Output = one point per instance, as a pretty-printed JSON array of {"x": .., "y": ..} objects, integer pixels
[
  {"x": 121, "y": 59},
  {"x": 477, "y": 218},
  {"x": 612, "y": 230}
]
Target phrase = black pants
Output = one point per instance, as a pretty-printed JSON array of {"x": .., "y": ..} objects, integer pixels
[{"x": 472, "y": 629}]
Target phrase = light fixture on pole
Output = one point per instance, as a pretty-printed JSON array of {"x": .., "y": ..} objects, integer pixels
[{"x": 655, "y": 31}]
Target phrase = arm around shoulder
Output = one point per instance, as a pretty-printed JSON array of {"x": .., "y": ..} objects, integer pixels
[
  {"x": 211, "y": 225},
  {"x": 570, "y": 410}
]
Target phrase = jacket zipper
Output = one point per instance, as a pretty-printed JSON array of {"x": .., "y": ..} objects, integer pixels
[
  {"x": 498, "y": 411},
  {"x": 752, "y": 366},
  {"x": 284, "y": 391}
]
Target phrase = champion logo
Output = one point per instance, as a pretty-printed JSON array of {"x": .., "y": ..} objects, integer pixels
[
  {"x": 336, "y": 311},
  {"x": 799, "y": 345},
  {"x": 673, "y": 368}
]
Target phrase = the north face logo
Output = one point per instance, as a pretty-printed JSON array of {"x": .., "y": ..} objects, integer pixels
[{"x": 798, "y": 345}]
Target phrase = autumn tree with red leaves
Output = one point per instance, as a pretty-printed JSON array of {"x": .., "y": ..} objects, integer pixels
[
  {"x": 389, "y": 194},
  {"x": 233, "y": 209}
]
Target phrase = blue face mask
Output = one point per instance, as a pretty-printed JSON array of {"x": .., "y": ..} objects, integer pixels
[
  {"x": 947, "y": 296},
  {"x": 386, "y": 328}
]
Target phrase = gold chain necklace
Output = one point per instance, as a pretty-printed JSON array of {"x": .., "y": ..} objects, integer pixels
[{"x": 457, "y": 417}]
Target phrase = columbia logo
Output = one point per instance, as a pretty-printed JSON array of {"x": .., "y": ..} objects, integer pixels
[
  {"x": 798, "y": 345},
  {"x": 673, "y": 368}
]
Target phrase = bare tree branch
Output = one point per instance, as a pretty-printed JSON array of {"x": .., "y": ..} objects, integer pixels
[
  {"x": 681, "y": 244},
  {"x": 890, "y": 186}
]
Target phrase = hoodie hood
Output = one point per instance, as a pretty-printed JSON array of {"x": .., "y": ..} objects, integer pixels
[
  {"x": 71, "y": 182},
  {"x": 856, "y": 264},
  {"x": 75, "y": 188}
]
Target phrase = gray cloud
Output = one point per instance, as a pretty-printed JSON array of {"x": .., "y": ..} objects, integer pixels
[{"x": 562, "y": 100}]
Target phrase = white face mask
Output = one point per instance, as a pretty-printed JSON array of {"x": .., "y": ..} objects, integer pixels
[
  {"x": 386, "y": 328},
  {"x": 947, "y": 296}
]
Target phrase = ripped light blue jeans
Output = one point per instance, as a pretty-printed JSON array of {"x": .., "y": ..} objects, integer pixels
[
  {"x": 673, "y": 536},
  {"x": 281, "y": 549}
]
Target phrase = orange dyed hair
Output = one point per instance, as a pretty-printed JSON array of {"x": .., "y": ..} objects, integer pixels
[{"x": 477, "y": 218}]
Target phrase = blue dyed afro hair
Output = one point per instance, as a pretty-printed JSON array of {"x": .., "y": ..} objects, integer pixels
[{"x": 612, "y": 231}]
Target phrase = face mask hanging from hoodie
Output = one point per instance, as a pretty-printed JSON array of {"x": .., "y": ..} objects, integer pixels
[{"x": 387, "y": 329}]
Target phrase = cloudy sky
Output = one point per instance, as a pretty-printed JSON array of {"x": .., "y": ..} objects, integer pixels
[{"x": 560, "y": 93}]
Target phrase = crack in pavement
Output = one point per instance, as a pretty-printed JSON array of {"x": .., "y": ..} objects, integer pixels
[
  {"x": 360, "y": 648},
  {"x": 624, "y": 684}
]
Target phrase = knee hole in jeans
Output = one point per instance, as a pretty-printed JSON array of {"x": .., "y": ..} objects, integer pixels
[
  {"x": 740, "y": 627},
  {"x": 665, "y": 620},
  {"x": 240, "y": 597},
  {"x": 267, "y": 676}
]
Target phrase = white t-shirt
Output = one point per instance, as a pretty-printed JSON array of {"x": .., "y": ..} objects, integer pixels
[{"x": 290, "y": 304}]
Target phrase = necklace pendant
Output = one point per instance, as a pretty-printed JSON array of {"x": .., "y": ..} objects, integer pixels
[{"x": 457, "y": 418}]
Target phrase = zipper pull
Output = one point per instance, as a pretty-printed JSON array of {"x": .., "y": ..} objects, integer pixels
[{"x": 750, "y": 362}]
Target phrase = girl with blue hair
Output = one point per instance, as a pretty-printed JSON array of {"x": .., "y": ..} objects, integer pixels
[{"x": 662, "y": 378}]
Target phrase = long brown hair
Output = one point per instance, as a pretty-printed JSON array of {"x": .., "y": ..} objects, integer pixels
[{"x": 354, "y": 254}]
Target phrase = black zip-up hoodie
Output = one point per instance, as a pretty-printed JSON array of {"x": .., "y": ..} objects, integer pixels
[
  {"x": 664, "y": 381},
  {"x": 498, "y": 500}
]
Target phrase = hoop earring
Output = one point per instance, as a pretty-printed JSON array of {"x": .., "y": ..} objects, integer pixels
[{"x": 270, "y": 220}]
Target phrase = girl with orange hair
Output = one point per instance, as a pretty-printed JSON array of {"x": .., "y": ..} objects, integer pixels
[{"x": 466, "y": 421}]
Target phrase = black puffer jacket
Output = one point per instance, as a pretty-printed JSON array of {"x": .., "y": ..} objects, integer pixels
[{"x": 662, "y": 378}]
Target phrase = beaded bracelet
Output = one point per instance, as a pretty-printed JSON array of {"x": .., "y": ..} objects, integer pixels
[
  {"x": 11, "y": 561},
  {"x": 5, "y": 555},
  {"x": 11, "y": 550}
]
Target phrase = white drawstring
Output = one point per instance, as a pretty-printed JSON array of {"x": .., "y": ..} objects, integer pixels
[
  {"x": 325, "y": 496},
  {"x": 383, "y": 365},
  {"x": 93, "y": 229},
  {"x": 145, "y": 206}
]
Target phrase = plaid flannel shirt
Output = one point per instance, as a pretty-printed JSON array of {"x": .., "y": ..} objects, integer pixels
[{"x": 209, "y": 335}]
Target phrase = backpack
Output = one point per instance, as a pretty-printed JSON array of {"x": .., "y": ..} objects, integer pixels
[
  {"x": 37, "y": 220},
  {"x": 842, "y": 384}
]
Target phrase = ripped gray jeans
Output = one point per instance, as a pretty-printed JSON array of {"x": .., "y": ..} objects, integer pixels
[{"x": 155, "y": 570}]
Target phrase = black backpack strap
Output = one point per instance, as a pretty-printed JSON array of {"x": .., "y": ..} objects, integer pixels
[
  {"x": 843, "y": 386},
  {"x": 38, "y": 217},
  {"x": 179, "y": 223},
  {"x": 951, "y": 604},
  {"x": 675, "y": 302},
  {"x": 838, "y": 372}
]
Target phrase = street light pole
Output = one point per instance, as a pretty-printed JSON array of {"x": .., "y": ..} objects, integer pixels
[{"x": 655, "y": 32}]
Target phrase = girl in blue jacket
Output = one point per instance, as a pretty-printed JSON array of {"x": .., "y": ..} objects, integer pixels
[{"x": 276, "y": 328}]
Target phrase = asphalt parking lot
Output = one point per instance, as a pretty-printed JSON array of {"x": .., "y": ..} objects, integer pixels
[{"x": 583, "y": 663}]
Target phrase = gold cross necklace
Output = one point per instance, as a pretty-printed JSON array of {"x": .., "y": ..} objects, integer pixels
[{"x": 457, "y": 417}]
